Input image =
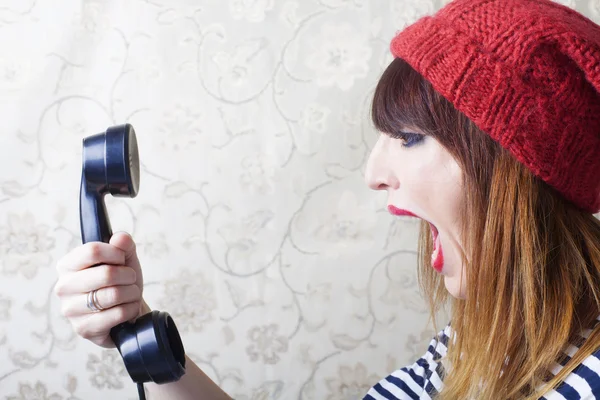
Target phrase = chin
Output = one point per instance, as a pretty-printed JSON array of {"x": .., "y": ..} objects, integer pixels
[{"x": 454, "y": 288}]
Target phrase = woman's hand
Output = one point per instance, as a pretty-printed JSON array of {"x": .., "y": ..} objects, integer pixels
[
  {"x": 118, "y": 279},
  {"x": 113, "y": 269}
]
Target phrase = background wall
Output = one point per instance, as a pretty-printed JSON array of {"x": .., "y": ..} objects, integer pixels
[{"x": 284, "y": 273}]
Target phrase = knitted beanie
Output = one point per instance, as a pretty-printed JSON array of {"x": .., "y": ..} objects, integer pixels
[{"x": 526, "y": 72}]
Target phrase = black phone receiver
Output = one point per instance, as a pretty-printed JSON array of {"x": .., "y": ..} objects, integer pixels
[{"x": 151, "y": 347}]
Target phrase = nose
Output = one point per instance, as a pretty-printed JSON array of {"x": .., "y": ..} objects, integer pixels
[{"x": 379, "y": 173}]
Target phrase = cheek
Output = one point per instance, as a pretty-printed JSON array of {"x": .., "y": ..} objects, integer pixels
[
  {"x": 430, "y": 181},
  {"x": 447, "y": 205},
  {"x": 436, "y": 189},
  {"x": 434, "y": 182},
  {"x": 422, "y": 180}
]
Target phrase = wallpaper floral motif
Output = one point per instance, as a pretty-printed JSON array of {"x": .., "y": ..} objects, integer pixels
[{"x": 285, "y": 275}]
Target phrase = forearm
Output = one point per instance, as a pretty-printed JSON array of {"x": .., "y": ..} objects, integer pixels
[{"x": 193, "y": 385}]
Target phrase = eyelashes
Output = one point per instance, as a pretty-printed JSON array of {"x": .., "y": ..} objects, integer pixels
[{"x": 409, "y": 139}]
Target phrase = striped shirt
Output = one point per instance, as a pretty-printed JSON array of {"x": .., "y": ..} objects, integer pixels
[{"x": 422, "y": 379}]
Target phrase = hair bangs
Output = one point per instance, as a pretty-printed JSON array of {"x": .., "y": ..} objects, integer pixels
[{"x": 404, "y": 100}]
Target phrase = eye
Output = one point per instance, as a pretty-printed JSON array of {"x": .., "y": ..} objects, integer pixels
[{"x": 409, "y": 138}]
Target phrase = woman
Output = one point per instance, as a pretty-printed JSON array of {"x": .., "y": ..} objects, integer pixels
[{"x": 490, "y": 132}]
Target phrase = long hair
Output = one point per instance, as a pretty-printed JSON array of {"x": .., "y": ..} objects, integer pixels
[{"x": 531, "y": 259}]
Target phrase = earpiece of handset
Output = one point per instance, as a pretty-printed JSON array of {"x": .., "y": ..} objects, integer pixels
[{"x": 151, "y": 347}]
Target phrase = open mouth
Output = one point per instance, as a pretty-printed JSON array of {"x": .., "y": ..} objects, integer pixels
[{"x": 437, "y": 256}]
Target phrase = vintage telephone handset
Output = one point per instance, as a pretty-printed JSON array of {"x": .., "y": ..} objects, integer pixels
[{"x": 151, "y": 347}]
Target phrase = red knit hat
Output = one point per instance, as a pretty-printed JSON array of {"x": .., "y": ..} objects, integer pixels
[{"x": 527, "y": 72}]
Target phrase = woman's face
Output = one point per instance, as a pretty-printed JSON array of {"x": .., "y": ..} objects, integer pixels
[{"x": 422, "y": 179}]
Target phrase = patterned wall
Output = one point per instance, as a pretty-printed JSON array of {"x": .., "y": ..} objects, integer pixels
[{"x": 285, "y": 275}]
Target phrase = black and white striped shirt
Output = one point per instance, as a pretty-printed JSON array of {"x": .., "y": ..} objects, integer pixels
[{"x": 422, "y": 379}]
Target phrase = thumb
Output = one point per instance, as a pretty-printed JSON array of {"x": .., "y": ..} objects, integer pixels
[{"x": 125, "y": 242}]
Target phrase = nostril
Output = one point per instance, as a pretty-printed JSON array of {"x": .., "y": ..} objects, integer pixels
[{"x": 380, "y": 179}]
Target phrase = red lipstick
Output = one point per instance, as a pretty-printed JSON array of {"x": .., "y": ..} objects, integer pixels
[{"x": 398, "y": 211}]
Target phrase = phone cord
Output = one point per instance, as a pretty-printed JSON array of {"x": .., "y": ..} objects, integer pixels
[{"x": 141, "y": 391}]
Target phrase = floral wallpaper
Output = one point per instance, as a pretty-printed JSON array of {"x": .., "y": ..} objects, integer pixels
[{"x": 285, "y": 275}]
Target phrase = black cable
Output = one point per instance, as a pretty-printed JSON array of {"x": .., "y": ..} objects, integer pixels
[{"x": 141, "y": 391}]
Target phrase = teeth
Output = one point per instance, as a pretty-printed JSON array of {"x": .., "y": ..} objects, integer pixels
[
  {"x": 434, "y": 255},
  {"x": 434, "y": 235}
]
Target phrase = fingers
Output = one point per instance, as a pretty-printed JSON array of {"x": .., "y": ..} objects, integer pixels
[
  {"x": 90, "y": 254},
  {"x": 98, "y": 325},
  {"x": 108, "y": 297},
  {"x": 94, "y": 278}
]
